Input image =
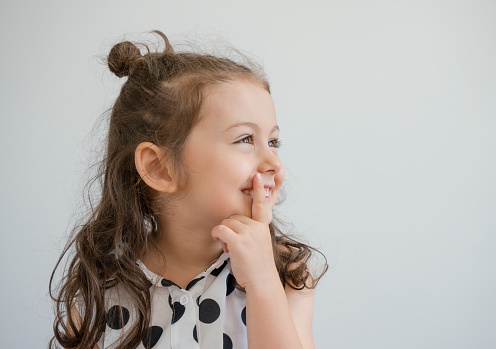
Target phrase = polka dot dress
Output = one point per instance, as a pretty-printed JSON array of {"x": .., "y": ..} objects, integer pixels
[{"x": 209, "y": 313}]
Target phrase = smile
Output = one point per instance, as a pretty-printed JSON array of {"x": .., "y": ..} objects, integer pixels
[{"x": 249, "y": 191}]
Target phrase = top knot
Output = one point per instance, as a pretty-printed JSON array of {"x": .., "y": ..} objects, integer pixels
[{"x": 121, "y": 58}]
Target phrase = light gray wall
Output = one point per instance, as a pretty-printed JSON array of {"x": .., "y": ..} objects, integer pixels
[{"x": 388, "y": 117}]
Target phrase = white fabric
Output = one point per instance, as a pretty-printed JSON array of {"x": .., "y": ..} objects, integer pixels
[{"x": 210, "y": 306}]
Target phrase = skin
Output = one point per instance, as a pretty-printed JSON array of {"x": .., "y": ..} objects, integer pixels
[
  {"x": 221, "y": 161},
  {"x": 215, "y": 214},
  {"x": 276, "y": 318}
]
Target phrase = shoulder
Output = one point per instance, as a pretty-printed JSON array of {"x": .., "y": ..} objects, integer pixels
[
  {"x": 292, "y": 263},
  {"x": 300, "y": 301},
  {"x": 77, "y": 322},
  {"x": 117, "y": 311}
]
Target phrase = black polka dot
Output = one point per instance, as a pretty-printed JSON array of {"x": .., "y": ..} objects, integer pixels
[
  {"x": 193, "y": 283},
  {"x": 152, "y": 336},
  {"x": 209, "y": 311},
  {"x": 195, "y": 335},
  {"x": 227, "y": 342},
  {"x": 177, "y": 310},
  {"x": 230, "y": 283},
  {"x": 243, "y": 315},
  {"x": 166, "y": 282},
  {"x": 198, "y": 300},
  {"x": 217, "y": 271},
  {"x": 117, "y": 317}
]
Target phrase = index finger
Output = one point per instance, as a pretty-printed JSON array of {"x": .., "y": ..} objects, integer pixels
[{"x": 259, "y": 208}]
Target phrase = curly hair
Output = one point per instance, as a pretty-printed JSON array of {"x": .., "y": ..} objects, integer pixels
[{"x": 160, "y": 103}]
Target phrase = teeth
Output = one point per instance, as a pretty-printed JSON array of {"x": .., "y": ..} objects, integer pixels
[{"x": 250, "y": 192}]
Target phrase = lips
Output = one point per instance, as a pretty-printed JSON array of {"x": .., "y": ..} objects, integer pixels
[{"x": 249, "y": 191}]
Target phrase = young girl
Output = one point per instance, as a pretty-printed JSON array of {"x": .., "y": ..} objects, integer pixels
[{"x": 181, "y": 250}]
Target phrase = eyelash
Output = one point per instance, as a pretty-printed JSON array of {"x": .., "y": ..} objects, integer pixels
[{"x": 277, "y": 142}]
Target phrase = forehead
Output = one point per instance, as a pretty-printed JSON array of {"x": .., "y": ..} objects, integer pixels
[{"x": 238, "y": 101}]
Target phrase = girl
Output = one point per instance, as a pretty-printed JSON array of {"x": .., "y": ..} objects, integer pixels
[{"x": 181, "y": 250}]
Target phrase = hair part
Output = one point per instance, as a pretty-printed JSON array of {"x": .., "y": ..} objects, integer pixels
[{"x": 159, "y": 103}]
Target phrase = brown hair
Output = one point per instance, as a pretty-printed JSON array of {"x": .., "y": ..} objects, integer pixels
[{"x": 160, "y": 103}]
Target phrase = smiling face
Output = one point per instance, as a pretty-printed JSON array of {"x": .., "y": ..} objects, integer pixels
[{"x": 236, "y": 137}]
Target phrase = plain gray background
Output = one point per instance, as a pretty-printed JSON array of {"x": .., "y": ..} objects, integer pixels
[{"x": 388, "y": 118}]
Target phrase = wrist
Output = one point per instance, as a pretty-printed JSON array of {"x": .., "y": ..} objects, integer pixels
[{"x": 270, "y": 281}]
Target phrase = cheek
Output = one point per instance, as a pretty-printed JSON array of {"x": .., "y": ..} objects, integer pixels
[
  {"x": 279, "y": 177},
  {"x": 233, "y": 171},
  {"x": 278, "y": 180}
]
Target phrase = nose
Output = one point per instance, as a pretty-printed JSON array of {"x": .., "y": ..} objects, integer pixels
[{"x": 269, "y": 161}]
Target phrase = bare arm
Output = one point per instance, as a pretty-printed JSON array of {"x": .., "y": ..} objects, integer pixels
[
  {"x": 301, "y": 307},
  {"x": 278, "y": 318},
  {"x": 275, "y": 318},
  {"x": 77, "y": 321}
]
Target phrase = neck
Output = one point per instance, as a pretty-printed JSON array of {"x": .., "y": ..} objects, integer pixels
[
  {"x": 188, "y": 248},
  {"x": 188, "y": 245}
]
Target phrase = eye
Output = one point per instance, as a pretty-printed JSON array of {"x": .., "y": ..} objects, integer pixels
[
  {"x": 247, "y": 140},
  {"x": 275, "y": 143}
]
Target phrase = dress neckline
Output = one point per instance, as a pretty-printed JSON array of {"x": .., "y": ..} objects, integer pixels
[{"x": 214, "y": 269}]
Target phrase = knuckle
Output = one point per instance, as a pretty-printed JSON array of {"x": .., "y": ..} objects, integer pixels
[{"x": 218, "y": 229}]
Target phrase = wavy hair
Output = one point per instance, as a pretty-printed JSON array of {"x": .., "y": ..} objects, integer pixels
[{"x": 160, "y": 103}]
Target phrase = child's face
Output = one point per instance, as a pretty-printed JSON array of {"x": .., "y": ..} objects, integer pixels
[{"x": 235, "y": 138}]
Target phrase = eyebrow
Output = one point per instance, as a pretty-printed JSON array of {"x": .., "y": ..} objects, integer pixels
[{"x": 251, "y": 125}]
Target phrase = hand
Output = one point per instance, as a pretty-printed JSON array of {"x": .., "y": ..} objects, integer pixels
[{"x": 249, "y": 243}]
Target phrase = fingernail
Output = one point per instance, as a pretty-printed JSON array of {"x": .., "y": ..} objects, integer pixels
[{"x": 259, "y": 177}]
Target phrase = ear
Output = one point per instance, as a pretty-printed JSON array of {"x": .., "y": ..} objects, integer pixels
[{"x": 153, "y": 167}]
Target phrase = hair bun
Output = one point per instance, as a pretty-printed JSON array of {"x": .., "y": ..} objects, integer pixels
[{"x": 121, "y": 57}]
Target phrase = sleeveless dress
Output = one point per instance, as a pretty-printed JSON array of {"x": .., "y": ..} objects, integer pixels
[{"x": 210, "y": 313}]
